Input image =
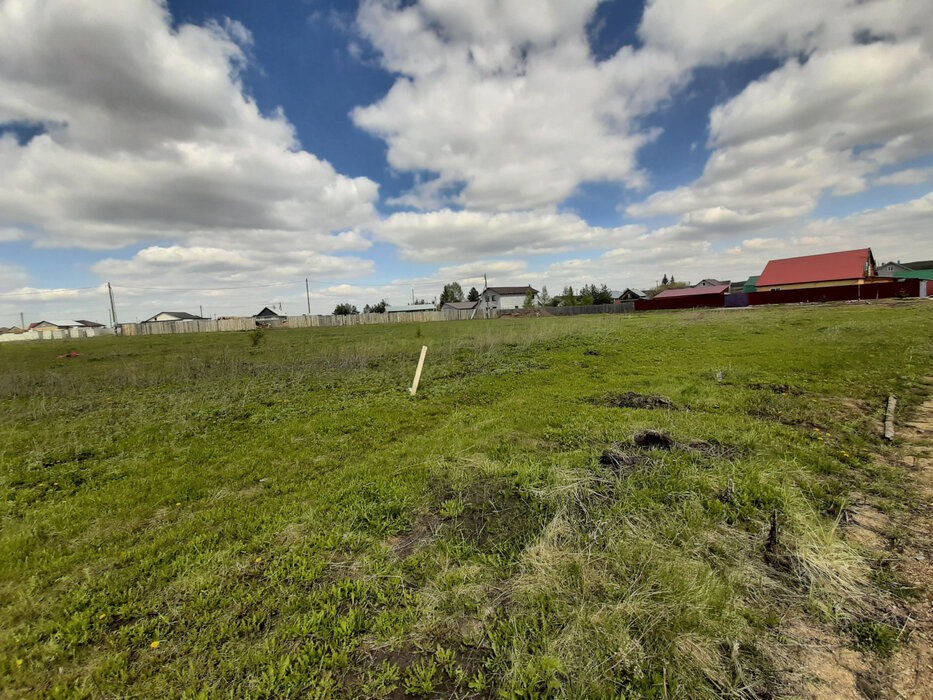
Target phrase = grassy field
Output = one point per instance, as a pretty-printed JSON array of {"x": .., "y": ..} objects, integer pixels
[{"x": 273, "y": 515}]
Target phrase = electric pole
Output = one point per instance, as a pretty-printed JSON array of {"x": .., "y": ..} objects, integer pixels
[
  {"x": 22, "y": 321},
  {"x": 486, "y": 296},
  {"x": 201, "y": 306},
  {"x": 308, "y": 295},
  {"x": 113, "y": 307}
]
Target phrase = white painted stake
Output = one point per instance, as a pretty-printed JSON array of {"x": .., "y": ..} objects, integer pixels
[{"x": 414, "y": 386}]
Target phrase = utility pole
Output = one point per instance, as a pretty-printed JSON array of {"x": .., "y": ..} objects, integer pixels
[
  {"x": 486, "y": 296},
  {"x": 113, "y": 307},
  {"x": 308, "y": 295},
  {"x": 201, "y": 306},
  {"x": 22, "y": 321},
  {"x": 412, "y": 295}
]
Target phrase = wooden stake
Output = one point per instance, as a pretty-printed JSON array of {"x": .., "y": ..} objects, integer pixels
[
  {"x": 414, "y": 386},
  {"x": 889, "y": 418}
]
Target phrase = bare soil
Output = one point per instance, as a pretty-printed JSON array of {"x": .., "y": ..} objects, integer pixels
[{"x": 829, "y": 666}]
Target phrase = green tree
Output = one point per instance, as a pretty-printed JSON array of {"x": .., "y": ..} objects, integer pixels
[
  {"x": 345, "y": 310},
  {"x": 473, "y": 295},
  {"x": 664, "y": 280},
  {"x": 603, "y": 295},
  {"x": 377, "y": 308},
  {"x": 567, "y": 297},
  {"x": 544, "y": 298},
  {"x": 529, "y": 299},
  {"x": 452, "y": 292}
]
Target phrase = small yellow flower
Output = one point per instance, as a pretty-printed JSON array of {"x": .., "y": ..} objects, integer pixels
[
  {"x": 19, "y": 662},
  {"x": 178, "y": 504},
  {"x": 258, "y": 559},
  {"x": 154, "y": 644},
  {"x": 819, "y": 438},
  {"x": 55, "y": 483},
  {"x": 101, "y": 616},
  {"x": 42, "y": 483}
]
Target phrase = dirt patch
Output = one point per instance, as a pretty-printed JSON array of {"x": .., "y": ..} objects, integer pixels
[
  {"x": 776, "y": 388},
  {"x": 630, "y": 399},
  {"x": 422, "y": 530},
  {"x": 654, "y": 440},
  {"x": 891, "y": 657},
  {"x": 495, "y": 515},
  {"x": 618, "y": 460}
]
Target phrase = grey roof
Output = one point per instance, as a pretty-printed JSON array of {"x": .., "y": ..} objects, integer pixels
[
  {"x": 268, "y": 313},
  {"x": 637, "y": 292},
  {"x": 90, "y": 324},
  {"x": 461, "y": 305},
  {"x": 179, "y": 315},
  {"x": 511, "y": 291},
  {"x": 410, "y": 307}
]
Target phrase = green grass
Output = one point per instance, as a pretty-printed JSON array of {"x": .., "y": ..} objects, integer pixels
[{"x": 284, "y": 519}]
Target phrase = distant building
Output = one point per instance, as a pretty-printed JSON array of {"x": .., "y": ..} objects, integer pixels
[
  {"x": 693, "y": 291},
  {"x": 628, "y": 295},
  {"x": 506, "y": 297},
  {"x": 410, "y": 308},
  {"x": 749, "y": 284},
  {"x": 269, "y": 315},
  {"x": 710, "y": 282},
  {"x": 89, "y": 324},
  {"x": 174, "y": 316},
  {"x": 921, "y": 269},
  {"x": 459, "y": 306},
  {"x": 824, "y": 270}
]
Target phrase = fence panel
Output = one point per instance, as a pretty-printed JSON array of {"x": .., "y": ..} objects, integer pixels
[{"x": 849, "y": 292}]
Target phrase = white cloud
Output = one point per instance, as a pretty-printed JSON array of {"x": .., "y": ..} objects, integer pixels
[
  {"x": 908, "y": 176},
  {"x": 505, "y": 102},
  {"x": 150, "y": 136},
  {"x": 827, "y": 124},
  {"x": 445, "y": 235}
]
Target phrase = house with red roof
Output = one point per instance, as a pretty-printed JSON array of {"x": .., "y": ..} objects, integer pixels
[{"x": 824, "y": 270}]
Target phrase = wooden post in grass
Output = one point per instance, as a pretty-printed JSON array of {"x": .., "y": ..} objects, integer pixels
[
  {"x": 414, "y": 385},
  {"x": 889, "y": 418}
]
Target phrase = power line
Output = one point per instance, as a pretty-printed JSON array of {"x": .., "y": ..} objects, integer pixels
[
  {"x": 98, "y": 287},
  {"x": 208, "y": 289}
]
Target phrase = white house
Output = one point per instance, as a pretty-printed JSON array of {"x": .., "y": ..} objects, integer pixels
[{"x": 506, "y": 297}]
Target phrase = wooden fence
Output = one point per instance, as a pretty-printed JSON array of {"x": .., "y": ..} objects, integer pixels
[
  {"x": 397, "y": 317},
  {"x": 160, "y": 327},
  {"x": 247, "y": 324}
]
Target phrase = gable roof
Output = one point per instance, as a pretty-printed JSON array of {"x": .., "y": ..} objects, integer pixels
[
  {"x": 461, "y": 305},
  {"x": 179, "y": 316},
  {"x": 616, "y": 294},
  {"x": 511, "y": 291},
  {"x": 692, "y": 291},
  {"x": 89, "y": 324},
  {"x": 711, "y": 282},
  {"x": 825, "y": 267},
  {"x": 267, "y": 312}
]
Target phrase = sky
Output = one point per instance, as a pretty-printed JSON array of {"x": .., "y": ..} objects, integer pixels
[{"x": 213, "y": 155}]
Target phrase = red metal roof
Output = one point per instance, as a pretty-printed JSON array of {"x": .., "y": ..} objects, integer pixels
[
  {"x": 692, "y": 291},
  {"x": 847, "y": 265}
]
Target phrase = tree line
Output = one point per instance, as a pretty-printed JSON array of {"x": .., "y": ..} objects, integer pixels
[{"x": 587, "y": 295}]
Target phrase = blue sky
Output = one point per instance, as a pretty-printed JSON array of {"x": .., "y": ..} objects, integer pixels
[{"x": 216, "y": 153}]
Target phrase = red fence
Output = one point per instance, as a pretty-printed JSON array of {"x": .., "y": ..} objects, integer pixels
[
  {"x": 693, "y": 301},
  {"x": 850, "y": 292}
]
